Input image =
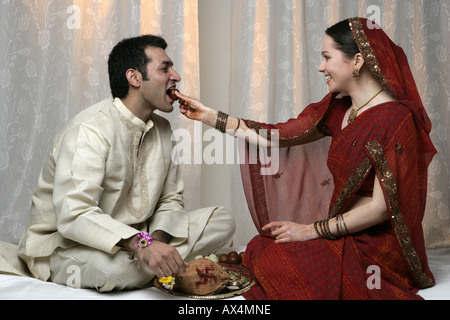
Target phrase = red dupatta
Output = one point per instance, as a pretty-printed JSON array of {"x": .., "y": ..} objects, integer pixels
[{"x": 304, "y": 190}]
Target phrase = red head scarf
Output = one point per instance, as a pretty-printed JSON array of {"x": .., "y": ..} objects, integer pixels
[{"x": 389, "y": 66}]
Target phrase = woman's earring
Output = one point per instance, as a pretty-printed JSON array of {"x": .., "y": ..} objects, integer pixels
[{"x": 356, "y": 74}]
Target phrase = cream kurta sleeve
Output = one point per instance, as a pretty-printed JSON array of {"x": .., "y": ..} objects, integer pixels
[{"x": 79, "y": 174}]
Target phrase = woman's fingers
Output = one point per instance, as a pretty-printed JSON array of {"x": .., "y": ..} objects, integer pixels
[{"x": 274, "y": 224}]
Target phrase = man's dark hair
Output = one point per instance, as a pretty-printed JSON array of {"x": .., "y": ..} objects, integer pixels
[
  {"x": 343, "y": 36},
  {"x": 130, "y": 54}
]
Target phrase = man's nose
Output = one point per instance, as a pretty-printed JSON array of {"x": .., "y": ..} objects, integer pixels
[{"x": 175, "y": 76}]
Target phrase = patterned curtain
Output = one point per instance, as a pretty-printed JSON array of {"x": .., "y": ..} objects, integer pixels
[
  {"x": 53, "y": 64},
  {"x": 53, "y": 56},
  {"x": 276, "y": 50}
]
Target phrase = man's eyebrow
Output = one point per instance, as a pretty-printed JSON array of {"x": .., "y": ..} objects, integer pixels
[{"x": 168, "y": 63}]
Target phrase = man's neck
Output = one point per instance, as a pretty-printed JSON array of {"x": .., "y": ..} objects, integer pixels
[{"x": 138, "y": 107}]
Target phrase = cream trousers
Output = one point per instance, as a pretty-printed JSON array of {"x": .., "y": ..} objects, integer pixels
[{"x": 85, "y": 267}]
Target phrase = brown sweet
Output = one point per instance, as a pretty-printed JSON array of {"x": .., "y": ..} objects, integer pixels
[
  {"x": 171, "y": 93},
  {"x": 202, "y": 277},
  {"x": 232, "y": 259},
  {"x": 223, "y": 258},
  {"x": 233, "y": 253}
]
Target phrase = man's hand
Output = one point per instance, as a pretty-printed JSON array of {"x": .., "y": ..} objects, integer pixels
[{"x": 163, "y": 259}]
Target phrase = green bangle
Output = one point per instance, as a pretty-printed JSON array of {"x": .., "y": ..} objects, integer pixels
[
  {"x": 327, "y": 230},
  {"x": 221, "y": 121},
  {"x": 315, "y": 229}
]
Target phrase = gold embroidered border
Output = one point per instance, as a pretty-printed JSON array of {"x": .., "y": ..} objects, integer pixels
[
  {"x": 256, "y": 126},
  {"x": 259, "y": 195},
  {"x": 141, "y": 176},
  {"x": 140, "y": 173},
  {"x": 390, "y": 187},
  {"x": 366, "y": 50},
  {"x": 352, "y": 185}
]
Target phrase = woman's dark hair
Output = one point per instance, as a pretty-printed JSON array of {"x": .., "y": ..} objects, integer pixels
[
  {"x": 130, "y": 54},
  {"x": 343, "y": 36}
]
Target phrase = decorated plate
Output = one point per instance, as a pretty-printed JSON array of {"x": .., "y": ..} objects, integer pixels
[{"x": 241, "y": 281}]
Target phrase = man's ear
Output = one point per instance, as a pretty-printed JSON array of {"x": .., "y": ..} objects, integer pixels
[{"x": 133, "y": 78}]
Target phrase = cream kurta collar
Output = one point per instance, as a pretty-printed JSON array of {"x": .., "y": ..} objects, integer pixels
[{"x": 131, "y": 117}]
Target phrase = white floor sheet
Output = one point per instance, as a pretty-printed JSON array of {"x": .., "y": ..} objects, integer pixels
[{"x": 21, "y": 288}]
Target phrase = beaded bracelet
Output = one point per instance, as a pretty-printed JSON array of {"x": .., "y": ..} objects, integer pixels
[{"x": 221, "y": 121}]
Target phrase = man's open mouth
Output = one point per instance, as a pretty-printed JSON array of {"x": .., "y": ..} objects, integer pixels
[{"x": 171, "y": 93}]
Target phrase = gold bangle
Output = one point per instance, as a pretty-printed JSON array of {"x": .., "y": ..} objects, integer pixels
[
  {"x": 339, "y": 227},
  {"x": 345, "y": 226},
  {"x": 237, "y": 128}
]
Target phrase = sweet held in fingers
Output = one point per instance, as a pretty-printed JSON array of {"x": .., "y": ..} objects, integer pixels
[{"x": 172, "y": 95}]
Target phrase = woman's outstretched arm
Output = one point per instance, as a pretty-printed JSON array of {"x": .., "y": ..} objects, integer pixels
[{"x": 196, "y": 110}]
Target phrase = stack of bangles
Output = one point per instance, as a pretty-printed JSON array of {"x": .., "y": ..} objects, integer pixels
[
  {"x": 322, "y": 228},
  {"x": 221, "y": 122}
]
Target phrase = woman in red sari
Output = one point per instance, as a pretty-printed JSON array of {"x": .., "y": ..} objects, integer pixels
[{"x": 341, "y": 219}]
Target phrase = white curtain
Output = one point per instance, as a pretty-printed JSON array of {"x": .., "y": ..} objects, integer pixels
[
  {"x": 53, "y": 64},
  {"x": 53, "y": 56},
  {"x": 276, "y": 50}
]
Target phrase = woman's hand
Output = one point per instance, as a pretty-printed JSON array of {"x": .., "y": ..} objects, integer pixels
[
  {"x": 195, "y": 110},
  {"x": 285, "y": 231}
]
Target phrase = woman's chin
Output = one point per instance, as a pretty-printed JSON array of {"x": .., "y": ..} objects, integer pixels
[{"x": 333, "y": 89}]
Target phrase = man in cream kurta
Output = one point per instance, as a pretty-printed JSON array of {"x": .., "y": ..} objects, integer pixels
[{"x": 110, "y": 176}]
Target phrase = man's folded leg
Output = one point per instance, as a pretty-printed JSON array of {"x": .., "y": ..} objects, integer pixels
[
  {"x": 84, "y": 267},
  {"x": 89, "y": 268}
]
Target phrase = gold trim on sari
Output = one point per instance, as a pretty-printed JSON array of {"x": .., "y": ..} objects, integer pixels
[
  {"x": 366, "y": 50},
  {"x": 389, "y": 185}
]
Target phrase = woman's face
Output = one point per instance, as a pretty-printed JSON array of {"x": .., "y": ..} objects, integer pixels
[{"x": 336, "y": 66}]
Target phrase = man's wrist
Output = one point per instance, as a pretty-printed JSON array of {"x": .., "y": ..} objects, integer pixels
[
  {"x": 129, "y": 244},
  {"x": 161, "y": 236}
]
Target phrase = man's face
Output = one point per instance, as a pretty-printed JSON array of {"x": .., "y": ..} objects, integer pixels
[{"x": 161, "y": 77}]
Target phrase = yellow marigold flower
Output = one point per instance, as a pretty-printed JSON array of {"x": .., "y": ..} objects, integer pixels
[{"x": 166, "y": 280}]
